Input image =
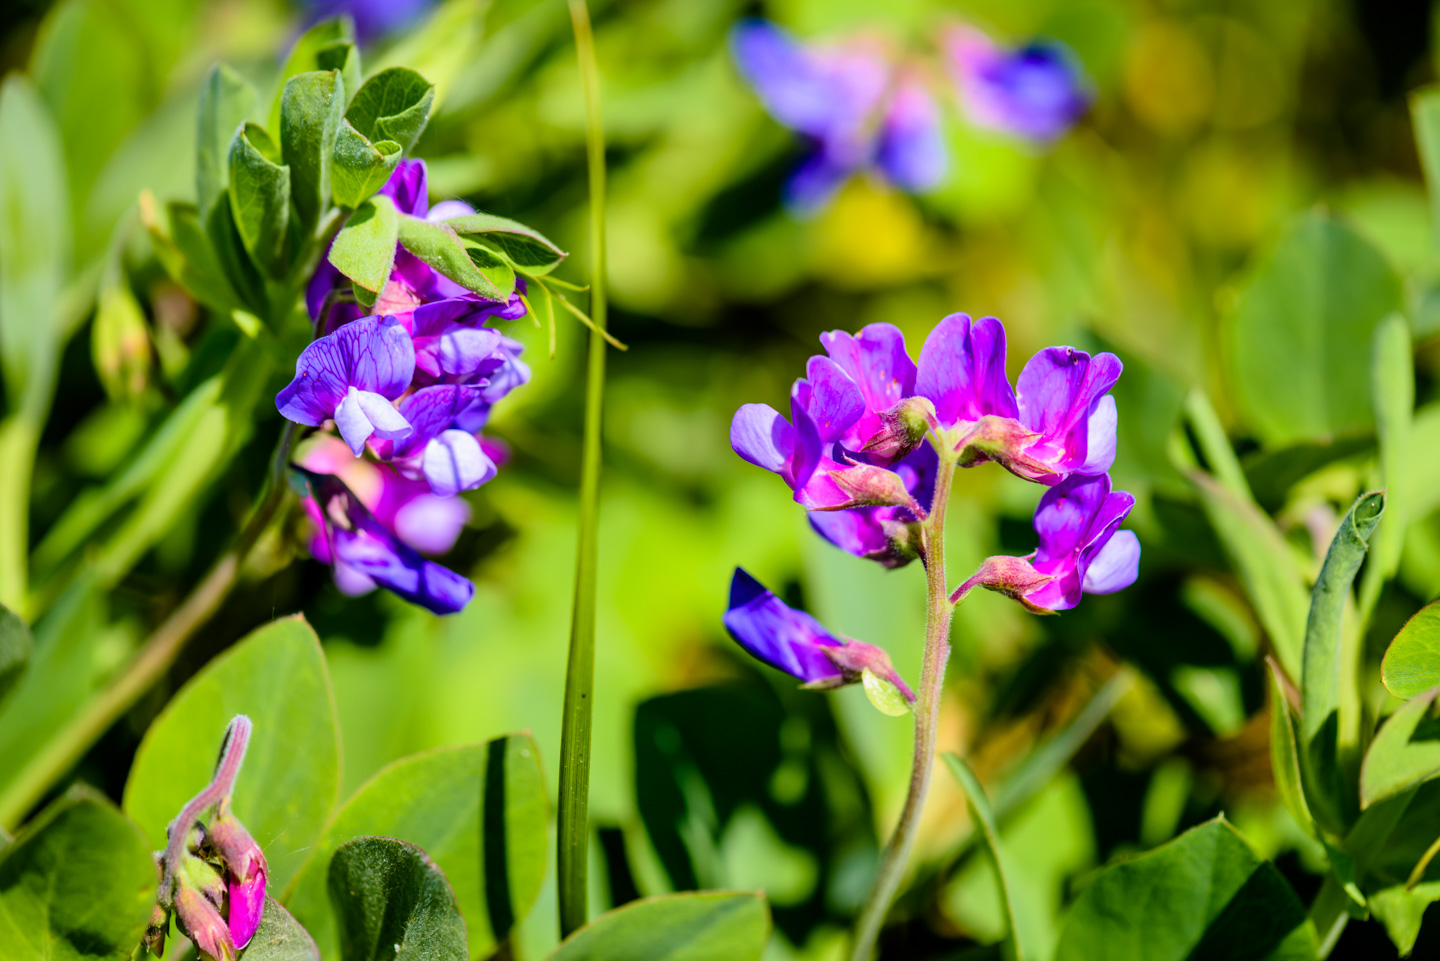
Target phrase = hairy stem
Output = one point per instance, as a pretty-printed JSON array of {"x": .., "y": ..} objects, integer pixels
[
  {"x": 232, "y": 755},
  {"x": 69, "y": 744},
  {"x": 896, "y": 855},
  {"x": 573, "y": 845}
]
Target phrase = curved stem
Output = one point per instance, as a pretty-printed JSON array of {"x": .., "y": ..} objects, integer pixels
[{"x": 894, "y": 859}]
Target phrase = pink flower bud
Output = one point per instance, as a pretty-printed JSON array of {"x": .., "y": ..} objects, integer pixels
[
  {"x": 1011, "y": 576},
  {"x": 868, "y": 486},
  {"x": 247, "y": 870},
  {"x": 202, "y": 923},
  {"x": 1007, "y": 443},
  {"x": 902, "y": 428},
  {"x": 198, "y": 875}
]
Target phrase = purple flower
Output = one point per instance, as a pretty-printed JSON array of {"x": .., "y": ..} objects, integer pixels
[
  {"x": 847, "y": 102},
  {"x": 369, "y": 554},
  {"x": 1037, "y": 92},
  {"x": 352, "y": 376},
  {"x": 449, "y": 459},
  {"x": 883, "y": 373},
  {"x": 451, "y": 340},
  {"x": 373, "y": 18},
  {"x": 884, "y": 534},
  {"x": 1082, "y": 550},
  {"x": 794, "y": 642},
  {"x": 1060, "y": 421}
]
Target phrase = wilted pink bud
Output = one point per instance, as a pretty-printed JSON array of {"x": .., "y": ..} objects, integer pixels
[
  {"x": 1011, "y": 576},
  {"x": 868, "y": 486},
  {"x": 902, "y": 428},
  {"x": 202, "y": 923}
]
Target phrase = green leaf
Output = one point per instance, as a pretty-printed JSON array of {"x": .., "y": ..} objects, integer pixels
[
  {"x": 1206, "y": 894},
  {"x": 981, "y": 813},
  {"x": 525, "y": 248},
  {"x": 358, "y": 168},
  {"x": 1412, "y": 662},
  {"x": 392, "y": 105},
  {"x": 1405, "y": 752},
  {"x": 34, "y": 247},
  {"x": 1392, "y": 379},
  {"x": 480, "y": 811},
  {"x": 703, "y": 926},
  {"x": 260, "y": 195},
  {"x": 1285, "y": 753},
  {"x": 469, "y": 264},
  {"x": 280, "y": 937},
  {"x": 884, "y": 695},
  {"x": 393, "y": 904},
  {"x": 183, "y": 247},
  {"x": 226, "y": 100},
  {"x": 310, "y": 111},
  {"x": 287, "y": 789},
  {"x": 1310, "y": 310},
  {"x": 77, "y": 885},
  {"x": 364, "y": 250},
  {"x": 15, "y": 650},
  {"x": 329, "y": 45},
  {"x": 1425, "y": 118}
]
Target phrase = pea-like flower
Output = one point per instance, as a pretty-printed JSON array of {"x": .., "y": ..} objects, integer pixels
[
  {"x": 1081, "y": 549},
  {"x": 794, "y": 642},
  {"x": 1036, "y": 92},
  {"x": 246, "y": 873},
  {"x": 858, "y": 109},
  {"x": 352, "y": 376},
  {"x": 450, "y": 460}
]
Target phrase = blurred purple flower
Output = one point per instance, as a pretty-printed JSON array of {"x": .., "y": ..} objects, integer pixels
[
  {"x": 1082, "y": 550},
  {"x": 794, "y": 642},
  {"x": 850, "y": 102},
  {"x": 1036, "y": 92},
  {"x": 449, "y": 459},
  {"x": 373, "y": 18},
  {"x": 352, "y": 376}
]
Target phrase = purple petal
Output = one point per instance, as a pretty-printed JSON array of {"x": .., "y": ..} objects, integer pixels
[
  {"x": 399, "y": 569},
  {"x": 784, "y": 75},
  {"x": 431, "y": 524},
  {"x": 962, "y": 370},
  {"x": 354, "y": 426},
  {"x": 1100, "y": 437},
  {"x": 389, "y": 423},
  {"x": 465, "y": 350},
  {"x": 856, "y": 531},
  {"x": 761, "y": 436},
  {"x": 1066, "y": 512},
  {"x": 350, "y": 581},
  {"x": 789, "y": 640},
  {"x": 911, "y": 152},
  {"x": 429, "y": 411},
  {"x": 1115, "y": 566},
  {"x": 875, "y": 359},
  {"x": 371, "y": 354},
  {"x": 446, "y": 209},
  {"x": 453, "y": 462},
  {"x": 406, "y": 187},
  {"x": 1037, "y": 92},
  {"x": 814, "y": 182},
  {"x": 247, "y": 907},
  {"x": 1057, "y": 392},
  {"x": 834, "y": 401}
]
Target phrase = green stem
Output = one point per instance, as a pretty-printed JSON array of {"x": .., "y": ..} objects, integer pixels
[
  {"x": 573, "y": 845},
  {"x": 69, "y": 744},
  {"x": 927, "y": 717}
]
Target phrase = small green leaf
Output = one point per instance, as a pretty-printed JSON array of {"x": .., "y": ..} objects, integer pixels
[
  {"x": 393, "y": 904},
  {"x": 287, "y": 789},
  {"x": 329, "y": 45},
  {"x": 1285, "y": 753},
  {"x": 280, "y": 937},
  {"x": 704, "y": 926},
  {"x": 358, "y": 168},
  {"x": 260, "y": 195},
  {"x": 15, "y": 650},
  {"x": 226, "y": 100},
  {"x": 525, "y": 248},
  {"x": 1405, "y": 752},
  {"x": 310, "y": 111},
  {"x": 392, "y": 105},
  {"x": 1412, "y": 662},
  {"x": 364, "y": 250},
  {"x": 480, "y": 811},
  {"x": 981, "y": 813},
  {"x": 884, "y": 694},
  {"x": 77, "y": 885},
  {"x": 469, "y": 264},
  {"x": 183, "y": 248},
  {"x": 1206, "y": 894}
]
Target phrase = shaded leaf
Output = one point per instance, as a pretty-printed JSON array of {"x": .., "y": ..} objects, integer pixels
[
  {"x": 280, "y": 937},
  {"x": 1425, "y": 118},
  {"x": 358, "y": 168},
  {"x": 1205, "y": 894},
  {"x": 287, "y": 789},
  {"x": 480, "y": 811},
  {"x": 392, "y": 105},
  {"x": 1412, "y": 662},
  {"x": 523, "y": 246},
  {"x": 77, "y": 885},
  {"x": 226, "y": 100},
  {"x": 393, "y": 904},
  {"x": 469, "y": 264},
  {"x": 705, "y": 926},
  {"x": 183, "y": 247},
  {"x": 310, "y": 110},
  {"x": 1285, "y": 753},
  {"x": 260, "y": 195},
  {"x": 981, "y": 813},
  {"x": 364, "y": 250},
  {"x": 1405, "y": 752}
]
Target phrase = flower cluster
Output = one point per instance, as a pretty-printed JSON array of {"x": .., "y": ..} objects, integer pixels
[
  {"x": 862, "y": 107},
  {"x": 212, "y": 873},
  {"x": 413, "y": 379},
  {"x": 854, "y": 452}
]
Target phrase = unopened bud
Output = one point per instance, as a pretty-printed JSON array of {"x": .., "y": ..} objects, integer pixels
[
  {"x": 247, "y": 870},
  {"x": 902, "y": 428},
  {"x": 154, "y": 940},
  {"x": 202, "y": 923},
  {"x": 1005, "y": 441},
  {"x": 854, "y": 658},
  {"x": 120, "y": 343},
  {"x": 1012, "y": 576},
  {"x": 904, "y": 541},
  {"x": 868, "y": 486}
]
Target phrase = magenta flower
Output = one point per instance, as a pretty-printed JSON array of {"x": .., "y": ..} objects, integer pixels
[
  {"x": 1037, "y": 92},
  {"x": 245, "y": 875},
  {"x": 1082, "y": 550},
  {"x": 352, "y": 376},
  {"x": 883, "y": 373},
  {"x": 794, "y": 642}
]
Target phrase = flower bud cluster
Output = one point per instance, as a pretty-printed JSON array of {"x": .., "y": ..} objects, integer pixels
[{"x": 212, "y": 873}]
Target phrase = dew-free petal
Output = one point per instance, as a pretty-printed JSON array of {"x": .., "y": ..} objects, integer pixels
[
  {"x": 773, "y": 632},
  {"x": 961, "y": 370},
  {"x": 761, "y": 436},
  {"x": 911, "y": 152},
  {"x": 1115, "y": 566},
  {"x": 453, "y": 462}
]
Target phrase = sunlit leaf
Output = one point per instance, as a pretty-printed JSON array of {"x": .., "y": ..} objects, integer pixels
[
  {"x": 310, "y": 111},
  {"x": 707, "y": 926},
  {"x": 1412, "y": 662},
  {"x": 392, "y": 105},
  {"x": 364, "y": 250},
  {"x": 1405, "y": 751}
]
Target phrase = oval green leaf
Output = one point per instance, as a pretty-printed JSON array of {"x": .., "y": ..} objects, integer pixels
[
  {"x": 77, "y": 885},
  {"x": 392, "y": 105},
  {"x": 259, "y": 195},
  {"x": 364, "y": 250},
  {"x": 1205, "y": 894},
  {"x": 705, "y": 926},
  {"x": 358, "y": 167},
  {"x": 393, "y": 904},
  {"x": 480, "y": 811},
  {"x": 1412, "y": 662},
  {"x": 1405, "y": 752},
  {"x": 310, "y": 110},
  {"x": 470, "y": 264},
  {"x": 525, "y": 248},
  {"x": 288, "y": 787}
]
